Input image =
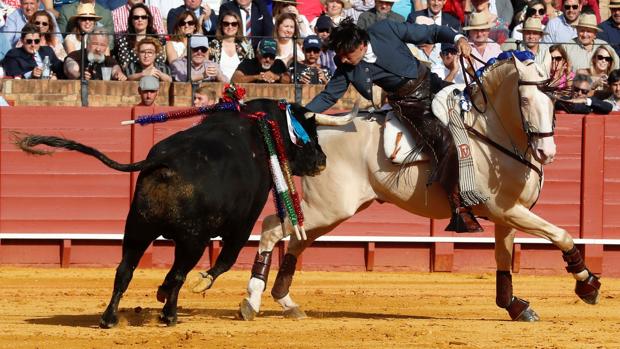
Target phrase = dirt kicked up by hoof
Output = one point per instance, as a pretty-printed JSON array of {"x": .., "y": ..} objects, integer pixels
[
  {"x": 200, "y": 282},
  {"x": 246, "y": 312}
]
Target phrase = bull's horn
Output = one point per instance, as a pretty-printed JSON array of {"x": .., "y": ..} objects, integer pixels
[{"x": 331, "y": 120}]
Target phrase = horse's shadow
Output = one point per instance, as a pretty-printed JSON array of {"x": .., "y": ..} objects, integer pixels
[{"x": 150, "y": 317}]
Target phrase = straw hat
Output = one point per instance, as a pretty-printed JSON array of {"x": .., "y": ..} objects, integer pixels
[
  {"x": 614, "y": 4},
  {"x": 532, "y": 24},
  {"x": 346, "y": 4},
  {"x": 85, "y": 11},
  {"x": 587, "y": 20},
  {"x": 479, "y": 20}
]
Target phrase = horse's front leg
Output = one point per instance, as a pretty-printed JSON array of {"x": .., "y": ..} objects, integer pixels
[
  {"x": 518, "y": 309},
  {"x": 587, "y": 285},
  {"x": 271, "y": 234}
]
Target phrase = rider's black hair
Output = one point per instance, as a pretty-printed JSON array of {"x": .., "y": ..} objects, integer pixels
[{"x": 347, "y": 36}]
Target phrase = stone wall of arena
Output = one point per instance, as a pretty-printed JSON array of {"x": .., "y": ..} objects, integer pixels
[{"x": 68, "y": 209}]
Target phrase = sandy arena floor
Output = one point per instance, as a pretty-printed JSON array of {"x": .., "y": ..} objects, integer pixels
[{"x": 60, "y": 308}]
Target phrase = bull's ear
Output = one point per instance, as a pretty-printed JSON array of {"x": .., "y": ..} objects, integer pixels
[{"x": 331, "y": 120}]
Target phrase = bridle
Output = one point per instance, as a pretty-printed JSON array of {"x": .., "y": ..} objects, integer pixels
[{"x": 530, "y": 131}]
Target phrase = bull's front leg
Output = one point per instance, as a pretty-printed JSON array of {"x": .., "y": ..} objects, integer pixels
[{"x": 271, "y": 234}]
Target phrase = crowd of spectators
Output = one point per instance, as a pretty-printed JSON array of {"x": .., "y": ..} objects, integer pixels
[{"x": 284, "y": 41}]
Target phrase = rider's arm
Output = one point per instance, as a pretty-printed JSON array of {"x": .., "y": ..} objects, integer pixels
[
  {"x": 418, "y": 34},
  {"x": 334, "y": 90}
]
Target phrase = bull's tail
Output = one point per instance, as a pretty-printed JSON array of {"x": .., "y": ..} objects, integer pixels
[{"x": 28, "y": 142}]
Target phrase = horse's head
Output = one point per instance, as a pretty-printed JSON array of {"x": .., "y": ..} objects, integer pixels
[
  {"x": 514, "y": 86},
  {"x": 537, "y": 112}
]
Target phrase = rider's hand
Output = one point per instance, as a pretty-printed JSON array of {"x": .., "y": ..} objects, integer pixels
[{"x": 463, "y": 47}]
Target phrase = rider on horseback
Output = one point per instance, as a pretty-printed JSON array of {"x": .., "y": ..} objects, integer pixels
[{"x": 381, "y": 56}]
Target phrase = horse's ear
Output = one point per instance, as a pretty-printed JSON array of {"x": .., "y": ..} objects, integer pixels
[{"x": 520, "y": 66}]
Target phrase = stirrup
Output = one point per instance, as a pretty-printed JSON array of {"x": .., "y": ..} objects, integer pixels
[{"x": 463, "y": 221}]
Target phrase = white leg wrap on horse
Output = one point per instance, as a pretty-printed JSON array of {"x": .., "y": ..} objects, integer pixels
[
  {"x": 581, "y": 276},
  {"x": 287, "y": 302},
  {"x": 255, "y": 291}
]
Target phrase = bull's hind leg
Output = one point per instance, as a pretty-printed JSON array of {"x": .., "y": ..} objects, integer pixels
[
  {"x": 134, "y": 245},
  {"x": 186, "y": 256},
  {"x": 518, "y": 309},
  {"x": 587, "y": 284},
  {"x": 271, "y": 234}
]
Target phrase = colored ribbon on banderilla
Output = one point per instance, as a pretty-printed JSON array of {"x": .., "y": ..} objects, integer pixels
[
  {"x": 285, "y": 196},
  {"x": 183, "y": 114}
]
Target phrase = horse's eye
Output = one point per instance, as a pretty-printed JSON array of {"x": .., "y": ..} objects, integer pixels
[{"x": 525, "y": 101}]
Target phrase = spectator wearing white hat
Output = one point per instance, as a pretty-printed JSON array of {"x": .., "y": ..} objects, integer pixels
[
  {"x": 148, "y": 89},
  {"x": 70, "y": 10},
  {"x": 582, "y": 47},
  {"x": 478, "y": 34},
  {"x": 201, "y": 68},
  {"x": 532, "y": 32},
  {"x": 382, "y": 10}
]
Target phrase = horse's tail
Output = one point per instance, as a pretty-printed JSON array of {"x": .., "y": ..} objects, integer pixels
[{"x": 28, "y": 142}]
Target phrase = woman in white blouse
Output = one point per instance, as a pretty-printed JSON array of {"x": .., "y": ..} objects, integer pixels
[{"x": 229, "y": 47}]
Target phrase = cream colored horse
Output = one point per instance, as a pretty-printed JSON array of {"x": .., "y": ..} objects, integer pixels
[{"x": 519, "y": 117}]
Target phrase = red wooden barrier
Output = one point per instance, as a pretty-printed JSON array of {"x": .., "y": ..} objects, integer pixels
[{"x": 73, "y": 193}]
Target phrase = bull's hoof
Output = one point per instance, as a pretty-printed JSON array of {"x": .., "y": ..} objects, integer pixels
[
  {"x": 295, "y": 313},
  {"x": 588, "y": 289},
  {"x": 201, "y": 282},
  {"x": 168, "y": 320},
  {"x": 246, "y": 312},
  {"x": 162, "y": 294},
  {"x": 108, "y": 321},
  {"x": 528, "y": 315}
]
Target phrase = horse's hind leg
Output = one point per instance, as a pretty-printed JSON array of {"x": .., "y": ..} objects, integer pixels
[
  {"x": 518, "y": 309},
  {"x": 186, "y": 256},
  {"x": 587, "y": 285},
  {"x": 271, "y": 234},
  {"x": 135, "y": 242}
]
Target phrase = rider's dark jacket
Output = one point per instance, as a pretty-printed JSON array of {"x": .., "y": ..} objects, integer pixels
[{"x": 394, "y": 64}]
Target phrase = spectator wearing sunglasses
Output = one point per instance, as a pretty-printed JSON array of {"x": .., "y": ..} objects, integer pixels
[
  {"x": 560, "y": 29},
  {"x": 534, "y": 9},
  {"x": 44, "y": 21},
  {"x": 27, "y": 61},
  {"x": 139, "y": 26},
  {"x": 120, "y": 16},
  {"x": 581, "y": 48},
  {"x": 70, "y": 10},
  {"x": 323, "y": 29},
  {"x": 84, "y": 21},
  {"x": 16, "y": 20},
  {"x": 230, "y": 47},
  {"x": 264, "y": 68},
  {"x": 176, "y": 46},
  {"x": 310, "y": 71},
  {"x": 560, "y": 72},
  {"x": 579, "y": 101},
  {"x": 452, "y": 71},
  {"x": 206, "y": 17},
  {"x": 601, "y": 65},
  {"x": 201, "y": 68},
  {"x": 610, "y": 29}
]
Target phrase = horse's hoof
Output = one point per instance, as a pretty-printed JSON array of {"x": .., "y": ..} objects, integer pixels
[
  {"x": 295, "y": 313},
  {"x": 528, "y": 315},
  {"x": 168, "y": 320},
  {"x": 246, "y": 312},
  {"x": 162, "y": 294},
  {"x": 108, "y": 321},
  {"x": 588, "y": 289},
  {"x": 202, "y": 282}
]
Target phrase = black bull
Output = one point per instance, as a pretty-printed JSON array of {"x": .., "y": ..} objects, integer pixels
[{"x": 210, "y": 180}]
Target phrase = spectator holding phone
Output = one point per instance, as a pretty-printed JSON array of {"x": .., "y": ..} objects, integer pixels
[{"x": 310, "y": 71}]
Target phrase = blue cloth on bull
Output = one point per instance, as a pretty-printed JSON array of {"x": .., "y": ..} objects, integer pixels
[{"x": 298, "y": 129}]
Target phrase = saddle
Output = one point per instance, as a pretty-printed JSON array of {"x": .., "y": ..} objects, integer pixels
[{"x": 399, "y": 145}]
